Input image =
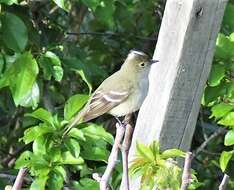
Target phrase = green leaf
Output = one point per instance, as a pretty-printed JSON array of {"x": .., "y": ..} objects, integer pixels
[
  {"x": 172, "y": 153},
  {"x": 63, "y": 4},
  {"x": 216, "y": 75},
  {"x": 33, "y": 133},
  {"x": 73, "y": 146},
  {"x": 144, "y": 151},
  {"x": 60, "y": 170},
  {"x": 86, "y": 184},
  {"x": 42, "y": 115},
  {"x": 224, "y": 159},
  {"x": 224, "y": 47},
  {"x": 14, "y": 33},
  {"x": 104, "y": 13},
  {"x": 31, "y": 99},
  {"x": 229, "y": 138},
  {"x": 24, "y": 160},
  {"x": 51, "y": 66},
  {"x": 220, "y": 110},
  {"x": 227, "y": 120},
  {"x": 77, "y": 134},
  {"x": 229, "y": 13},
  {"x": 9, "y": 2},
  {"x": 69, "y": 159},
  {"x": 82, "y": 69},
  {"x": 97, "y": 132},
  {"x": 40, "y": 145},
  {"x": 95, "y": 152},
  {"x": 74, "y": 104},
  {"x": 212, "y": 93},
  {"x": 55, "y": 181},
  {"x": 21, "y": 76},
  {"x": 39, "y": 183}
]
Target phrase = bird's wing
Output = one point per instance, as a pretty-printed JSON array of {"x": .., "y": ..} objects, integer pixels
[{"x": 102, "y": 102}]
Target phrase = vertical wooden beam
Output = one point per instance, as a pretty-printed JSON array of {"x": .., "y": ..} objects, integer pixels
[{"x": 185, "y": 49}]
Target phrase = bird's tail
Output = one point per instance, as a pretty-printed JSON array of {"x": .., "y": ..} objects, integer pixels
[{"x": 75, "y": 121}]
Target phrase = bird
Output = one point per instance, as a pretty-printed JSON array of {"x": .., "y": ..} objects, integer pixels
[{"x": 120, "y": 94}]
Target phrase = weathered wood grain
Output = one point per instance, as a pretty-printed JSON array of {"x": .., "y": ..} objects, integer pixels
[{"x": 185, "y": 50}]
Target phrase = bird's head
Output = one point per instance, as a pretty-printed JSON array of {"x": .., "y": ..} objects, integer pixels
[{"x": 138, "y": 62}]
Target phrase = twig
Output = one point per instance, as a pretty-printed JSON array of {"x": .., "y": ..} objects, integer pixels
[
  {"x": 125, "y": 150},
  {"x": 13, "y": 177},
  {"x": 112, "y": 160},
  {"x": 224, "y": 182},
  {"x": 186, "y": 176},
  {"x": 206, "y": 142},
  {"x": 110, "y": 34},
  {"x": 19, "y": 179}
]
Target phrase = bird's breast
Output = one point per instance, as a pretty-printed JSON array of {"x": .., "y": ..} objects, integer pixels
[{"x": 133, "y": 102}]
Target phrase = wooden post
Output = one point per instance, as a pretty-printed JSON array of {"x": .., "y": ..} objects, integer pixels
[{"x": 185, "y": 49}]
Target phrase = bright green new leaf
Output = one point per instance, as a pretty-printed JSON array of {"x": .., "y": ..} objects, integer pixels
[
  {"x": 77, "y": 134},
  {"x": 227, "y": 120},
  {"x": 229, "y": 138},
  {"x": 31, "y": 99},
  {"x": 170, "y": 153},
  {"x": 69, "y": 159},
  {"x": 97, "y": 132},
  {"x": 220, "y": 110},
  {"x": 145, "y": 152},
  {"x": 40, "y": 145},
  {"x": 74, "y": 104},
  {"x": 51, "y": 66},
  {"x": 216, "y": 75},
  {"x": 24, "y": 160},
  {"x": 42, "y": 115},
  {"x": 224, "y": 159},
  {"x": 21, "y": 76},
  {"x": 14, "y": 33},
  {"x": 39, "y": 183},
  {"x": 73, "y": 146},
  {"x": 33, "y": 133},
  {"x": 55, "y": 181}
]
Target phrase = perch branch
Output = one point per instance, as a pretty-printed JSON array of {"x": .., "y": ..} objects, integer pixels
[
  {"x": 19, "y": 179},
  {"x": 125, "y": 150},
  {"x": 224, "y": 182},
  {"x": 112, "y": 160},
  {"x": 186, "y": 176}
]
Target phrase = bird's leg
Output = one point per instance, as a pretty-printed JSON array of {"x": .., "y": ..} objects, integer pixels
[{"x": 119, "y": 121}]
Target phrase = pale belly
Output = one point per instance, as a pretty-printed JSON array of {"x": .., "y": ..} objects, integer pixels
[{"x": 132, "y": 103}]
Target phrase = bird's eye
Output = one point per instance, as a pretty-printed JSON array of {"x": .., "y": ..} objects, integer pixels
[{"x": 142, "y": 64}]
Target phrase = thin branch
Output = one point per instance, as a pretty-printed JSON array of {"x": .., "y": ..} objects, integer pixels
[
  {"x": 186, "y": 176},
  {"x": 113, "y": 158},
  {"x": 125, "y": 150},
  {"x": 13, "y": 177},
  {"x": 207, "y": 141},
  {"x": 224, "y": 182},
  {"x": 19, "y": 179},
  {"x": 110, "y": 34}
]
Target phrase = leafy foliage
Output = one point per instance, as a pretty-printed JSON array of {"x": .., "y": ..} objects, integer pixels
[{"x": 157, "y": 168}]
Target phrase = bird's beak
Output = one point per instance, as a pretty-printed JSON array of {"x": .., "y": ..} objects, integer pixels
[{"x": 153, "y": 61}]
